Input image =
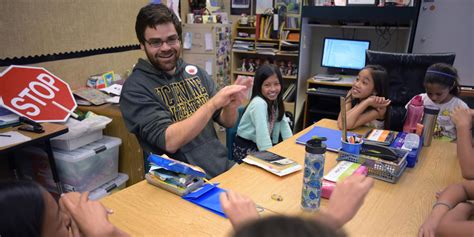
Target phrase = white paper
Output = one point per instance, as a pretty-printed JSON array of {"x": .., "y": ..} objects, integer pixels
[
  {"x": 209, "y": 66},
  {"x": 12, "y": 137},
  {"x": 174, "y": 5},
  {"x": 263, "y": 5},
  {"x": 113, "y": 100},
  {"x": 188, "y": 40},
  {"x": 208, "y": 42},
  {"x": 114, "y": 89}
]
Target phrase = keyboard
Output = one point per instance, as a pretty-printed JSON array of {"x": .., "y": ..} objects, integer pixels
[
  {"x": 328, "y": 91},
  {"x": 327, "y": 77}
]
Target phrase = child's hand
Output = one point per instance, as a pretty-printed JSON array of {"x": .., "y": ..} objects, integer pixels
[
  {"x": 462, "y": 118},
  {"x": 378, "y": 102},
  {"x": 238, "y": 208}
]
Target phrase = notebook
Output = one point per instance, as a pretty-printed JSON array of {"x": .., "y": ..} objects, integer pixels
[{"x": 333, "y": 142}]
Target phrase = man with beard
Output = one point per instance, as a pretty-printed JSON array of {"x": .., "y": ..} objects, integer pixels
[{"x": 168, "y": 104}]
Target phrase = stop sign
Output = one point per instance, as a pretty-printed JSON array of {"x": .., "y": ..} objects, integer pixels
[{"x": 35, "y": 93}]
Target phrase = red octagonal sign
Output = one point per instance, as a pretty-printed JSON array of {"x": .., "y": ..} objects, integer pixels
[{"x": 35, "y": 93}]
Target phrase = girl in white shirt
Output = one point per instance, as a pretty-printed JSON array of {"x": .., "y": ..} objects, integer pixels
[{"x": 442, "y": 88}]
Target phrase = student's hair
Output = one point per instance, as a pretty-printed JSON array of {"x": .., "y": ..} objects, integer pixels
[
  {"x": 152, "y": 15},
  {"x": 443, "y": 74},
  {"x": 22, "y": 208},
  {"x": 263, "y": 72},
  {"x": 380, "y": 78},
  {"x": 279, "y": 225}
]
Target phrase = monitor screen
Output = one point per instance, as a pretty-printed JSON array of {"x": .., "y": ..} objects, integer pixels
[{"x": 344, "y": 53}]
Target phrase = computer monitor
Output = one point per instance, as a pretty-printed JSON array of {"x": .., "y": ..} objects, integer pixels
[{"x": 344, "y": 54}]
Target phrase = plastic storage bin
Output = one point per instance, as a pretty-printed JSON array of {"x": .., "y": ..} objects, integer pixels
[
  {"x": 109, "y": 187},
  {"x": 74, "y": 143},
  {"x": 81, "y": 132},
  {"x": 80, "y": 170}
]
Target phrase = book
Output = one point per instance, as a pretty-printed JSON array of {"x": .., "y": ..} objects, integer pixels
[
  {"x": 272, "y": 162},
  {"x": 333, "y": 142},
  {"x": 380, "y": 137},
  {"x": 94, "y": 96}
]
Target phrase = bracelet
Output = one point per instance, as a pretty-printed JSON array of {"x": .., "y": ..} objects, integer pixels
[{"x": 442, "y": 203}]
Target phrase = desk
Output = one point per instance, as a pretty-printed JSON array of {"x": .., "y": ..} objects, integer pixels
[
  {"x": 50, "y": 130},
  {"x": 322, "y": 99},
  {"x": 389, "y": 210}
]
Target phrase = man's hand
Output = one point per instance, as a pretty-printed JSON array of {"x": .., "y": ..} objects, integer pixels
[
  {"x": 238, "y": 208},
  {"x": 238, "y": 99},
  {"x": 462, "y": 118},
  {"x": 347, "y": 198},
  {"x": 227, "y": 95}
]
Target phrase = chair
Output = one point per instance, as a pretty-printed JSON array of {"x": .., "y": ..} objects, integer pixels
[
  {"x": 230, "y": 133},
  {"x": 406, "y": 74}
]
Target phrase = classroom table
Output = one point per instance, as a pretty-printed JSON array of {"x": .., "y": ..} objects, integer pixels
[
  {"x": 389, "y": 209},
  {"x": 51, "y": 130}
]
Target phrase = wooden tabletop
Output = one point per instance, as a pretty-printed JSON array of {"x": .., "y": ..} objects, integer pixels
[{"x": 389, "y": 210}]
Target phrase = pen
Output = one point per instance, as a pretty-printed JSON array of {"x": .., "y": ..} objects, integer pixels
[{"x": 5, "y": 135}]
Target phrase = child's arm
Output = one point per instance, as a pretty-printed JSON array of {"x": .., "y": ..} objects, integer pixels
[
  {"x": 358, "y": 115},
  {"x": 450, "y": 197},
  {"x": 456, "y": 223},
  {"x": 462, "y": 119}
]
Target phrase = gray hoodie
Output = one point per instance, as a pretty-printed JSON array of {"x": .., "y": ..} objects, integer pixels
[{"x": 151, "y": 100}]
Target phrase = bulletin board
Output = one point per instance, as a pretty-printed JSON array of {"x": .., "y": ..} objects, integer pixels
[{"x": 47, "y": 27}]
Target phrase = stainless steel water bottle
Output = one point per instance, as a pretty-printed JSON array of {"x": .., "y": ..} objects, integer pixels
[
  {"x": 429, "y": 123},
  {"x": 313, "y": 174}
]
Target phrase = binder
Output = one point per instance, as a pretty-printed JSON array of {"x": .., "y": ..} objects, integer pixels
[{"x": 333, "y": 142}]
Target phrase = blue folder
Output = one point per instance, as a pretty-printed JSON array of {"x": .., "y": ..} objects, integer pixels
[
  {"x": 207, "y": 197},
  {"x": 333, "y": 142}
]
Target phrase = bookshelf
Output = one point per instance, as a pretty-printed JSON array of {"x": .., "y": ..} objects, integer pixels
[{"x": 259, "y": 43}]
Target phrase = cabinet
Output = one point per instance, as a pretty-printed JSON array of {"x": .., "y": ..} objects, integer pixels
[
  {"x": 208, "y": 46},
  {"x": 390, "y": 29},
  {"x": 322, "y": 99}
]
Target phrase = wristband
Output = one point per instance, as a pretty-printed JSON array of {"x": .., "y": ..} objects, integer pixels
[{"x": 442, "y": 203}]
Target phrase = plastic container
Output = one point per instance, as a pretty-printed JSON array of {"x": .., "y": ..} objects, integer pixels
[
  {"x": 81, "y": 133},
  {"x": 74, "y": 143},
  {"x": 109, "y": 187},
  {"x": 313, "y": 174},
  {"x": 414, "y": 114},
  {"x": 353, "y": 148},
  {"x": 80, "y": 170}
]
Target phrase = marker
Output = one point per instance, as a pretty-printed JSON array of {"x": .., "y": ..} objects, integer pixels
[{"x": 5, "y": 135}]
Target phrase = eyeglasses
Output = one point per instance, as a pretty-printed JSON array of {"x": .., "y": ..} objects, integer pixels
[{"x": 157, "y": 43}]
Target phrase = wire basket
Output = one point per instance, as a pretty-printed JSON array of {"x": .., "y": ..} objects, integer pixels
[{"x": 380, "y": 169}]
